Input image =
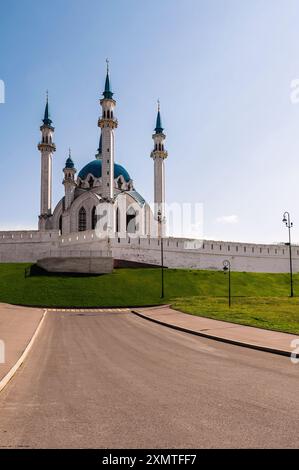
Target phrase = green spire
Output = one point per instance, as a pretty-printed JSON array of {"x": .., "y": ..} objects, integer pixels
[
  {"x": 107, "y": 93},
  {"x": 69, "y": 162},
  {"x": 47, "y": 120},
  {"x": 159, "y": 129}
]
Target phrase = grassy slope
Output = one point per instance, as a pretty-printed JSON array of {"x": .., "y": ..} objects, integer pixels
[{"x": 264, "y": 302}]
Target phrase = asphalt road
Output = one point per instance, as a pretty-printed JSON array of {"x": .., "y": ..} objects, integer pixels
[{"x": 115, "y": 380}]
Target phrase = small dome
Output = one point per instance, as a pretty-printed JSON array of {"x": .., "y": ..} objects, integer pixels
[
  {"x": 95, "y": 168},
  {"x": 69, "y": 163}
]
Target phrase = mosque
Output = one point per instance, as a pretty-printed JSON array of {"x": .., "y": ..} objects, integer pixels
[
  {"x": 101, "y": 180},
  {"x": 103, "y": 221}
]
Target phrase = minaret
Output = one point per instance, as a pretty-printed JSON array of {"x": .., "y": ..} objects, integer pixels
[
  {"x": 107, "y": 123},
  {"x": 47, "y": 148},
  {"x": 69, "y": 181},
  {"x": 158, "y": 155}
]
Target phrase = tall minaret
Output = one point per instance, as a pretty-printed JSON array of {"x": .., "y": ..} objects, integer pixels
[
  {"x": 107, "y": 123},
  {"x": 69, "y": 181},
  {"x": 47, "y": 148},
  {"x": 158, "y": 155}
]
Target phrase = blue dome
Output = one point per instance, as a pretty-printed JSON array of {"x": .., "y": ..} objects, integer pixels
[{"x": 95, "y": 168}]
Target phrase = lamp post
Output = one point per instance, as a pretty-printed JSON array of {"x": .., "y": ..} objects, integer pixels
[
  {"x": 161, "y": 220},
  {"x": 287, "y": 221},
  {"x": 226, "y": 268}
]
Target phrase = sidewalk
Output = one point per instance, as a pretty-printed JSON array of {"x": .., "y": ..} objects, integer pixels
[
  {"x": 247, "y": 336},
  {"x": 17, "y": 327}
]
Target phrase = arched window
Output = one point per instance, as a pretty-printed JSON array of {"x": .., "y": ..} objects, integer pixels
[
  {"x": 90, "y": 182},
  {"x": 94, "y": 218},
  {"x": 117, "y": 221},
  {"x": 60, "y": 224},
  {"x": 82, "y": 220},
  {"x": 119, "y": 183},
  {"x": 131, "y": 220}
]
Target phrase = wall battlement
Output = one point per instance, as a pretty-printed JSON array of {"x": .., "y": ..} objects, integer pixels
[{"x": 29, "y": 246}]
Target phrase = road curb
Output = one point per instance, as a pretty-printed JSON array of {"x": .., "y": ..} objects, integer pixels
[
  {"x": 20, "y": 361},
  {"x": 257, "y": 347}
]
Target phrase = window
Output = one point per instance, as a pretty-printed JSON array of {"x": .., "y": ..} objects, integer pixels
[
  {"x": 94, "y": 218},
  {"x": 131, "y": 220},
  {"x": 82, "y": 220},
  {"x": 60, "y": 224},
  {"x": 117, "y": 221}
]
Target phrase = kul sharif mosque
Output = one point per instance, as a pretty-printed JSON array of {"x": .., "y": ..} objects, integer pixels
[{"x": 101, "y": 180}]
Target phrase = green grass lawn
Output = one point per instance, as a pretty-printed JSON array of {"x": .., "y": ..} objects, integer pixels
[
  {"x": 273, "y": 313},
  {"x": 258, "y": 299}
]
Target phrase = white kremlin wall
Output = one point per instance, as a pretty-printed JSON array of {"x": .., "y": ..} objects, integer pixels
[{"x": 29, "y": 246}]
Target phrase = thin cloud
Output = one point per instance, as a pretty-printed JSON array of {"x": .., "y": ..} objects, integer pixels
[{"x": 228, "y": 219}]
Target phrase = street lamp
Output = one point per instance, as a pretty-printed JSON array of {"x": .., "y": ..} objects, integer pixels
[
  {"x": 161, "y": 220},
  {"x": 287, "y": 221},
  {"x": 226, "y": 268}
]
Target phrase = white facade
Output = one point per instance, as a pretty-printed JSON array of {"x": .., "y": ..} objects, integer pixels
[{"x": 29, "y": 246}]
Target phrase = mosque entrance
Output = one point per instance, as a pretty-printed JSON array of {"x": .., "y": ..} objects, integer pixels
[{"x": 131, "y": 221}]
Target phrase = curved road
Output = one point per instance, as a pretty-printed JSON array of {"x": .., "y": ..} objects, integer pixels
[{"x": 112, "y": 379}]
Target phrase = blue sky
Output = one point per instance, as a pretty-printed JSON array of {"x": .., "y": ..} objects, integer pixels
[{"x": 222, "y": 70}]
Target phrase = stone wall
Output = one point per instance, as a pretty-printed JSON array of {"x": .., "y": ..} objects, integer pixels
[{"x": 29, "y": 246}]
